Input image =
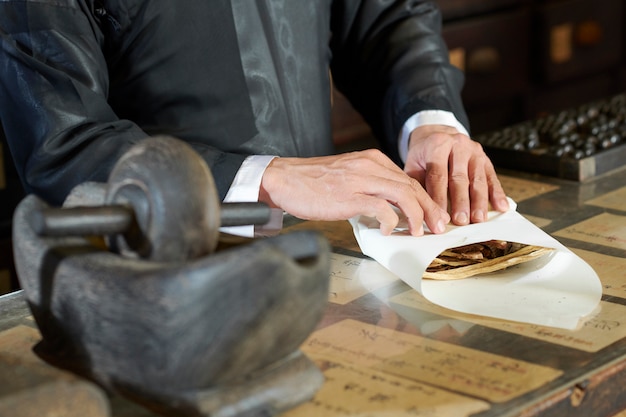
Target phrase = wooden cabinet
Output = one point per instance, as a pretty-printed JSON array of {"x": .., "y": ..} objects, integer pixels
[
  {"x": 576, "y": 38},
  {"x": 494, "y": 66},
  {"x": 538, "y": 56},
  {"x": 578, "y": 53},
  {"x": 494, "y": 53},
  {"x": 524, "y": 58}
]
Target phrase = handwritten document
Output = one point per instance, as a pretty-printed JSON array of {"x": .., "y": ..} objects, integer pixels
[
  {"x": 467, "y": 371},
  {"x": 352, "y": 278},
  {"x": 610, "y": 269},
  {"x": 613, "y": 200},
  {"x": 604, "y": 229},
  {"x": 350, "y": 390},
  {"x": 606, "y": 326},
  {"x": 520, "y": 189}
]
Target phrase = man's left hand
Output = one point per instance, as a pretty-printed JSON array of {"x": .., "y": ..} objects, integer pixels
[{"x": 450, "y": 165}]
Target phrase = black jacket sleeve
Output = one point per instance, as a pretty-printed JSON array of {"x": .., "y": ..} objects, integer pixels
[
  {"x": 390, "y": 60},
  {"x": 55, "y": 90},
  {"x": 53, "y": 105}
]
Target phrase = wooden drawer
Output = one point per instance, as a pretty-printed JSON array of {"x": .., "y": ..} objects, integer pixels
[
  {"x": 493, "y": 53},
  {"x": 576, "y": 37}
]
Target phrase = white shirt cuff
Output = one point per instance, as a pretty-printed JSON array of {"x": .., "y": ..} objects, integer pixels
[
  {"x": 245, "y": 188},
  {"x": 426, "y": 117}
]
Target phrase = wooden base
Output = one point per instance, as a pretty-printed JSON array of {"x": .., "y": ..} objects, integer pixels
[{"x": 293, "y": 380}]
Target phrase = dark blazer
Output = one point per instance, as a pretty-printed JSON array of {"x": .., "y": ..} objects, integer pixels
[{"x": 82, "y": 80}]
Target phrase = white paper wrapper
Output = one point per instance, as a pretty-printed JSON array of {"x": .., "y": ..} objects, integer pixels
[{"x": 555, "y": 290}]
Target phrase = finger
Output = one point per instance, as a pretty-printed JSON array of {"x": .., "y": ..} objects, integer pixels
[
  {"x": 381, "y": 211},
  {"x": 460, "y": 187},
  {"x": 436, "y": 183},
  {"x": 414, "y": 202},
  {"x": 479, "y": 190},
  {"x": 435, "y": 217},
  {"x": 386, "y": 216},
  {"x": 418, "y": 174},
  {"x": 408, "y": 196},
  {"x": 497, "y": 196}
]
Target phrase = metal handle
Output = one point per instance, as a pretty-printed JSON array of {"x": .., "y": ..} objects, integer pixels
[{"x": 117, "y": 219}]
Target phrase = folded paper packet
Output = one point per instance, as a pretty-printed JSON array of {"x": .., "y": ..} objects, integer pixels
[{"x": 557, "y": 289}]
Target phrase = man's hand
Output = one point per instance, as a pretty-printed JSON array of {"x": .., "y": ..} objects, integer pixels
[
  {"x": 341, "y": 186},
  {"x": 452, "y": 166}
]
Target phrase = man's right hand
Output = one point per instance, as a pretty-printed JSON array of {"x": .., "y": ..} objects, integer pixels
[{"x": 342, "y": 186}]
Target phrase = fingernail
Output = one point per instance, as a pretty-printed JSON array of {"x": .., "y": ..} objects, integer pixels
[
  {"x": 479, "y": 215},
  {"x": 461, "y": 218},
  {"x": 441, "y": 226}
]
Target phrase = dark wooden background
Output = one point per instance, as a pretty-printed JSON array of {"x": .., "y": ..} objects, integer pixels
[{"x": 523, "y": 59}]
